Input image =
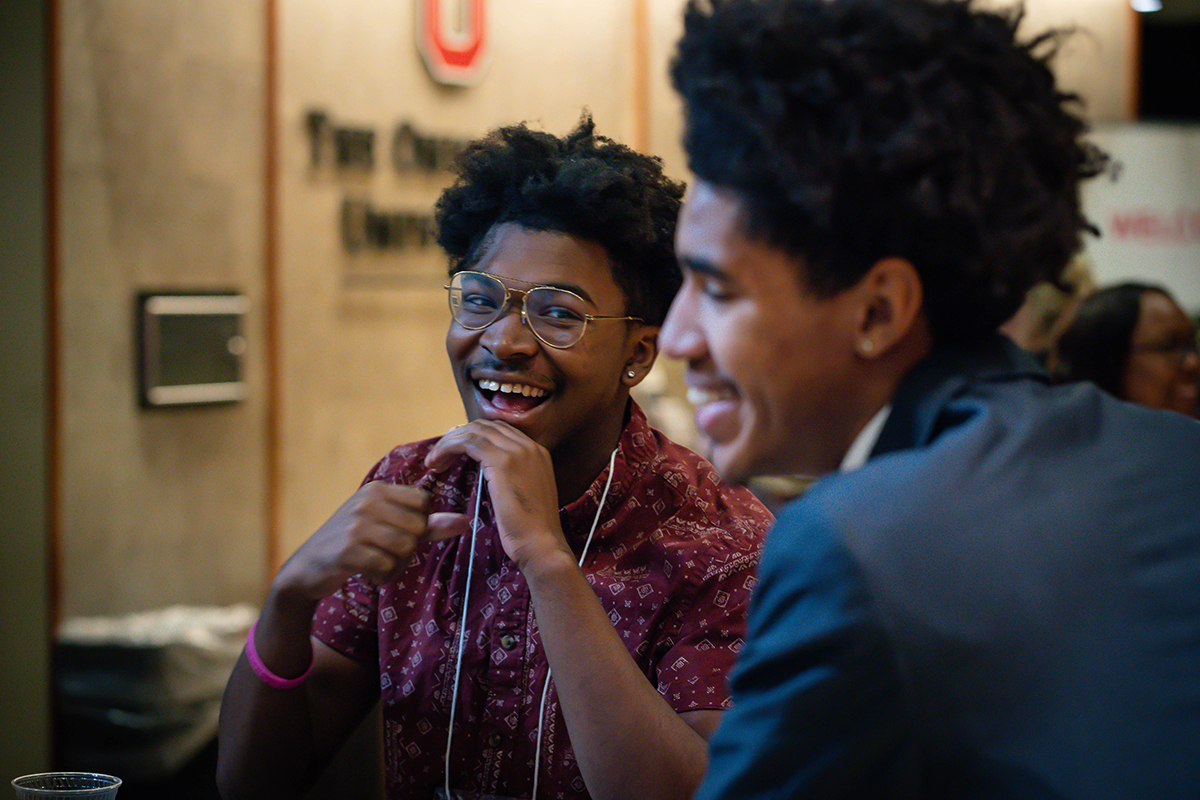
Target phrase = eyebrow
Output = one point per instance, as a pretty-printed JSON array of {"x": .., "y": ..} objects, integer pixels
[
  {"x": 566, "y": 287},
  {"x": 571, "y": 287},
  {"x": 702, "y": 267}
]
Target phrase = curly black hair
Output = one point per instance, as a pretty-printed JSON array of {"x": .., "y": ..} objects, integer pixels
[
  {"x": 584, "y": 185},
  {"x": 854, "y": 130},
  {"x": 1097, "y": 344}
]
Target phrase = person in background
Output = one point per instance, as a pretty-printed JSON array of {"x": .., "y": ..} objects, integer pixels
[
  {"x": 548, "y": 598},
  {"x": 991, "y": 592},
  {"x": 1136, "y": 343}
]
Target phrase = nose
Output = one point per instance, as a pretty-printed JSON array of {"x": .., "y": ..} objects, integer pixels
[
  {"x": 680, "y": 337},
  {"x": 1191, "y": 362},
  {"x": 509, "y": 337}
]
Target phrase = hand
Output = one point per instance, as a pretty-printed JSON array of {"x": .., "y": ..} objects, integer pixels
[
  {"x": 520, "y": 481},
  {"x": 373, "y": 533}
]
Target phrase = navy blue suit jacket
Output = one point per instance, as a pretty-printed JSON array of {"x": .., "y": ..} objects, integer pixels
[{"x": 1003, "y": 603}]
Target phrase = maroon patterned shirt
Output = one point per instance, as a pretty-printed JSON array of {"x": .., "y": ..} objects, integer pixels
[{"x": 672, "y": 562}]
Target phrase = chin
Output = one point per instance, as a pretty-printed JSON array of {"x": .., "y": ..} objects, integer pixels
[{"x": 729, "y": 463}]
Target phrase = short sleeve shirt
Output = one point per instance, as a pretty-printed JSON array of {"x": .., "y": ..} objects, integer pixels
[{"x": 672, "y": 560}]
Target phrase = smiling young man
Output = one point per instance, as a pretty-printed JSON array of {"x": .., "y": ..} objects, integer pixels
[
  {"x": 991, "y": 590},
  {"x": 555, "y": 532}
]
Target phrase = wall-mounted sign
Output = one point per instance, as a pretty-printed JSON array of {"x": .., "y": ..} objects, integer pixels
[{"x": 453, "y": 38}]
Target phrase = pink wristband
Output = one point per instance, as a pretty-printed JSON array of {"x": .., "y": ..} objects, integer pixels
[{"x": 264, "y": 674}]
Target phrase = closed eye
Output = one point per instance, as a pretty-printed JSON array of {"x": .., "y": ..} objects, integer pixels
[
  {"x": 559, "y": 314},
  {"x": 708, "y": 280},
  {"x": 713, "y": 287}
]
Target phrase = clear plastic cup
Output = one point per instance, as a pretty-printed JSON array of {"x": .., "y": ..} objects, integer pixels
[{"x": 66, "y": 786}]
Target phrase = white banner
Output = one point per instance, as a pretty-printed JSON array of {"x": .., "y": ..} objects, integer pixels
[{"x": 1148, "y": 207}]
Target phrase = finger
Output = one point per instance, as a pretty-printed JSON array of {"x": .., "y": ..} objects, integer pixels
[
  {"x": 447, "y": 525},
  {"x": 373, "y": 563},
  {"x": 401, "y": 495},
  {"x": 383, "y": 563},
  {"x": 478, "y": 440},
  {"x": 402, "y": 507}
]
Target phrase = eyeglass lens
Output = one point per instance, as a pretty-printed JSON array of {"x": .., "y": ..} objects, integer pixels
[
  {"x": 1177, "y": 350},
  {"x": 557, "y": 317}
]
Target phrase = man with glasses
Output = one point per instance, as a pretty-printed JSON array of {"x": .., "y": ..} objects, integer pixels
[
  {"x": 993, "y": 590},
  {"x": 547, "y": 598}
]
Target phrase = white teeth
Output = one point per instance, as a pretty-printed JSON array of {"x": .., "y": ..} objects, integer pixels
[
  {"x": 699, "y": 397},
  {"x": 511, "y": 388}
]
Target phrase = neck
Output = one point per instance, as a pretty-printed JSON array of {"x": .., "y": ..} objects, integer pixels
[
  {"x": 881, "y": 378},
  {"x": 579, "y": 461}
]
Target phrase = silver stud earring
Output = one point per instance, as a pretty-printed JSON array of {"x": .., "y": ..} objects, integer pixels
[
  {"x": 866, "y": 347},
  {"x": 631, "y": 374}
]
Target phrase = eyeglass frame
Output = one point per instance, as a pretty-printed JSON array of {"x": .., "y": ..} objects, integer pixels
[
  {"x": 504, "y": 308},
  {"x": 1176, "y": 351}
]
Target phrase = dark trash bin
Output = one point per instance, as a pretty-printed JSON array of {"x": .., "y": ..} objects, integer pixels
[{"x": 139, "y": 696}]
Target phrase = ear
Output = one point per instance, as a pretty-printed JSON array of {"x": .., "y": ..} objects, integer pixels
[
  {"x": 641, "y": 352},
  {"x": 891, "y": 299}
]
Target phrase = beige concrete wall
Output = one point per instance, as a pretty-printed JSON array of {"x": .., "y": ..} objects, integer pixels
[
  {"x": 1099, "y": 61},
  {"x": 161, "y": 168}
]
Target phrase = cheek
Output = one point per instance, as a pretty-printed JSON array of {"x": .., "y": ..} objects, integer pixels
[
  {"x": 1146, "y": 383},
  {"x": 740, "y": 345},
  {"x": 454, "y": 344}
]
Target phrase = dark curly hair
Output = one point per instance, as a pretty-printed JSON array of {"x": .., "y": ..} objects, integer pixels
[
  {"x": 1097, "y": 344},
  {"x": 854, "y": 130},
  {"x": 584, "y": 185}
]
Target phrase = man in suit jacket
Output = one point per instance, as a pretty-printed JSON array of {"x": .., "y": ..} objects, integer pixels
[{"x": 994, "y": 590}]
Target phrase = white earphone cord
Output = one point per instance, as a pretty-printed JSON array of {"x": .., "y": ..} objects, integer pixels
[{"x": 462, "y": 629}]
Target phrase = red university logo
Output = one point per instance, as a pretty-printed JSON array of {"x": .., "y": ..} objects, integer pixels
[{"x": 452, "y": 37}]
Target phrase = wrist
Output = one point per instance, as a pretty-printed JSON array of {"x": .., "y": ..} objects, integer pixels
[
  {"x": 289, "y": 601},
  {"x": 268, "y": 675},
  {"x": 547, "y": 564}
]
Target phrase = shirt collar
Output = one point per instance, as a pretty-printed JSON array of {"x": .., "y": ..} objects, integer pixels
[{"x": 864, "y": 443}]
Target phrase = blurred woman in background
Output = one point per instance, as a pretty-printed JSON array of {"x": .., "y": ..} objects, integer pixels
[{"x": 1134, "y": 341}]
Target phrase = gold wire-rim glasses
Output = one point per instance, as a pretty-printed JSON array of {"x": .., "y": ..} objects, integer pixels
[{"x": 538, "y": 324}]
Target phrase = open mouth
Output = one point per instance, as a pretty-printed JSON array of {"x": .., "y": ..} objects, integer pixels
[
  {"x": 511, "y": 397},
  {"x": 717, "y": 410},
  {"x": 698, "y": 397}
]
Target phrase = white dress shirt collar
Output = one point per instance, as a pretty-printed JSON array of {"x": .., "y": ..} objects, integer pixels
[{"x": 860, "y": 448}]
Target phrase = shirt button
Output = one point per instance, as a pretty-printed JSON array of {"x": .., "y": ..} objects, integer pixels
[
  {"x": 495, "y": 740},
  {"x": 508, "y": 641}
]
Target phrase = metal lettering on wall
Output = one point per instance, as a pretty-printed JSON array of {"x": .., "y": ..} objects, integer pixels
[{"x": 352, "y": 150}]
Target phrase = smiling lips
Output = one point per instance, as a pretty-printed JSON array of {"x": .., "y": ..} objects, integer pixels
[{"x": 716, "y": 411}]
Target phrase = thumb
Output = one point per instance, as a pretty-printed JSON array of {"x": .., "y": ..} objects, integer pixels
[{"x": 446, "y": 524}]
